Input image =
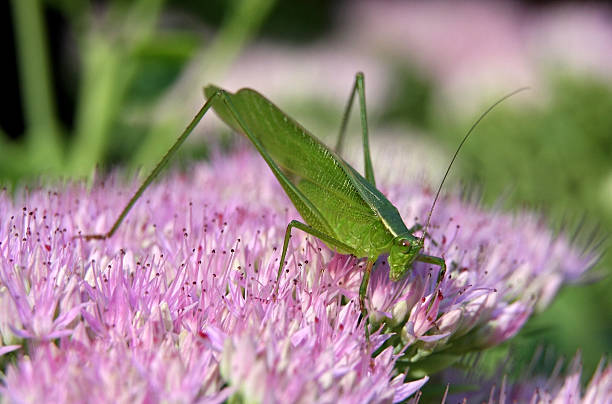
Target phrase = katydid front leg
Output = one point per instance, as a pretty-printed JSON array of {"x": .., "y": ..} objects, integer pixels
[
  {"x": 327, "y": 239},
  {"x": 430, "y": 259},
  {"x": 330, "y": 241}
]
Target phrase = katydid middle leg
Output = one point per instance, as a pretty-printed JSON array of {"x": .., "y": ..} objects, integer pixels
[
  {"x": 327, "y": 239},
  {"x": 330, "y": 241},
  {"x": 363, "y": 291}
]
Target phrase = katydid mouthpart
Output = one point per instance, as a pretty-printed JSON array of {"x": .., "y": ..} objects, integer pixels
[{"x": 341, "y": 207}]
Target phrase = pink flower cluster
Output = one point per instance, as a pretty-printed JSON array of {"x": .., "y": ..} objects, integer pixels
[{"x": 179, "y": 306}]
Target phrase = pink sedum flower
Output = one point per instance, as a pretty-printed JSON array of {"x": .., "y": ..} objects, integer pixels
[{"x": 178, "y": 305}]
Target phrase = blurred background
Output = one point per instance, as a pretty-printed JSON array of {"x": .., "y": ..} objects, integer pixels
[{"x": 98, "y": 84}]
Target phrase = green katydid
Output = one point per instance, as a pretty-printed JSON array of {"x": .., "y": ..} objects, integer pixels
[{"x": 340, "y": 206}]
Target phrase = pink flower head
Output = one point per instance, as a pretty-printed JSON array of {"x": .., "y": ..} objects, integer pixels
[{"x": 179, "y": 304}]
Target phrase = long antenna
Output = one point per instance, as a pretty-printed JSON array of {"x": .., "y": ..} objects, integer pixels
[{"x": 469, "y": 132}]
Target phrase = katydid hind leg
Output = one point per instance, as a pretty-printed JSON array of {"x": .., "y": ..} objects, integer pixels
[
  {"x": 359, "y": 89},
  {"x": 155, "y": 172},
  {"x": 327, "y": 239},
  {"x": 415, "y": 228},
  {"x": 345, "y": 118}
]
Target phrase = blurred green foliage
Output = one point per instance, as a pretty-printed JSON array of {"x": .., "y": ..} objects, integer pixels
[
  {"x": 125, "y": 70},
  {"x": 555, "y": 156},
  {"x": 294, "y": 22}
]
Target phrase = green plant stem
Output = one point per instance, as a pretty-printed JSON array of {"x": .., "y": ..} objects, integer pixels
[
  {"x": 43, "y": 139},
  {"x": 108, "y": 69},
  {"x": 101, "y": 87},
  {"x": 240, "y": 25}
]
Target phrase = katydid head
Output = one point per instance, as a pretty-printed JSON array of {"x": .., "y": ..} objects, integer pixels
[{"x": 403, "y": 252}]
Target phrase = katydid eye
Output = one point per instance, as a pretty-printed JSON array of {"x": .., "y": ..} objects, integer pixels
[{"x": 405, "y": 243}]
